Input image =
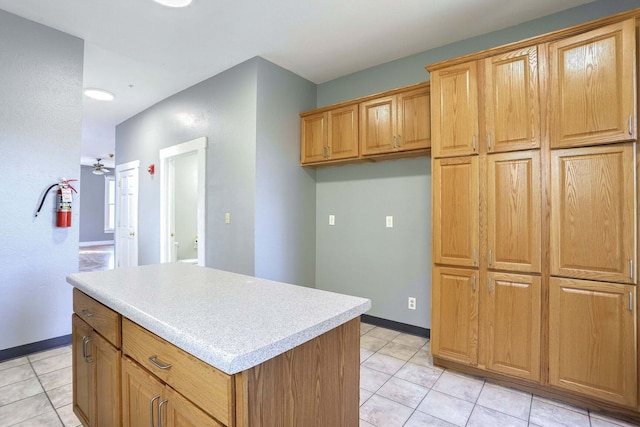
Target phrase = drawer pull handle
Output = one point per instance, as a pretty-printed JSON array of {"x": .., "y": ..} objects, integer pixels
[
  {"x": 87, "y": 312},
  {"x": 151, "y": 410},
  {"x": 160, "y": 411},
  {"x": 85, "y": 354},
  {"x": 154, "y": 361}
]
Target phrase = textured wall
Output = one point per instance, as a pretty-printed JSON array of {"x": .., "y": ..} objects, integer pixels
[
  {"x": 40, "y": 123},
  {"x": 186, "y": 205}
]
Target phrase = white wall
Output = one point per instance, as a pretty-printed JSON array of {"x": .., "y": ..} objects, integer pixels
[{"x": 40, "y": 124}]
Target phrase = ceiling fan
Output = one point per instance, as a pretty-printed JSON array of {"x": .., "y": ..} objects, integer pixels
[{"x": 99, "y": 169}]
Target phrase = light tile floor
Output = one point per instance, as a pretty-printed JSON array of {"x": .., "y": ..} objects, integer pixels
[
  {"x": 399, "y": 386},
  {"x": 36, "y": 390}
]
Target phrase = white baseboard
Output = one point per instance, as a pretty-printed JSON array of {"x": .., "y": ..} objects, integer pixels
[{"x": 97, "y": 243}]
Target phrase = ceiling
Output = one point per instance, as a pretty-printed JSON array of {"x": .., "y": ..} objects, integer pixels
[{"x": 144, "y": 52}]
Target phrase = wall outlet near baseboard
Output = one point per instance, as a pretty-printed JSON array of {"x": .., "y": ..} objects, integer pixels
[{"x": 412, "y": 303}]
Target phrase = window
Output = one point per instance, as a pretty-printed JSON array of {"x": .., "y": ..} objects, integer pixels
[{"x": 109, "y": 203}]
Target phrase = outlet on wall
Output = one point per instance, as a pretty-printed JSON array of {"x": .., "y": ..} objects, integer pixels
[{"x": 412, "y": 303}]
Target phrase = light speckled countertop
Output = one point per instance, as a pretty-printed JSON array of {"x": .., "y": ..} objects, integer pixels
[{"x": 230, "y": 321}]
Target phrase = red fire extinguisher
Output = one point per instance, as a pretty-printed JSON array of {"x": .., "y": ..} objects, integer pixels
[{"x": 64, "y": 200}]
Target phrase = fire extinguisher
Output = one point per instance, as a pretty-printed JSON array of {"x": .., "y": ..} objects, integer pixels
[{"x": 64, "y": 200}]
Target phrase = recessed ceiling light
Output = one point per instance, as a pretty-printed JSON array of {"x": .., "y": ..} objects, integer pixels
[
  {"x": 174, "y": 3},
  {"x": 99, "y": 94}
]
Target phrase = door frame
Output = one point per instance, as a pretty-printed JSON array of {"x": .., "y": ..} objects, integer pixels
[
  {"x": 167, "y": 182},
  {"x": 117, "y": 241}
]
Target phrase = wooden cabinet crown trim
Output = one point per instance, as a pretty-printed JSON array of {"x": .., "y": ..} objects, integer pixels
[
  {"x": 364, "y": 98},
  {"x": 544, "y": 38}
]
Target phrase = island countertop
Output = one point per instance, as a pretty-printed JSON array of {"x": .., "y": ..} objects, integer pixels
[{"x": 230, "y": 321}]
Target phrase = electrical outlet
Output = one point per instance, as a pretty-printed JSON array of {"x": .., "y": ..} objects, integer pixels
[
  {"x": 389, "y": 221},
  {"x": 227, "y": 218},
  {"x": 332, "y": 220},
  {"x": 412, "y": 303}
]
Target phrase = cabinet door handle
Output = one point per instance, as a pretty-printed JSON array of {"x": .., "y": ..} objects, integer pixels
[
  {"x": 490, "y": 257},
  {"x": 630, "y": 124},
  {"x": 328, "y": 151},
  {"x": 87, "y": 313},
  {"x": 85, "y": 353},
  {"x": 489, "y": 141},
  {"x": 631, "y": 302},
  {"x": 473, "y": 142},
  {"x": 631, "y": 269},
  {"x": 394, "y": 141},
  {"x": 474, "y": 283},
  {"x": 151, "y": 424},
  {"x": 475, "y": 256},
  {"x": 164, "y": 402},
  {"x": 154, "y": 361},
  {"x": 399, "y": 141},
  {"x": 490, "y": 283}
]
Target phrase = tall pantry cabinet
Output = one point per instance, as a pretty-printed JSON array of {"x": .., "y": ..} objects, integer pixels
[{"x": 535, "y": 214}]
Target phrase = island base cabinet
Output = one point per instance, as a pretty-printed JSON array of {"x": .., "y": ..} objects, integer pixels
[
  {"x": 96, "y": 377},
  {"x": 312, "y": 385},
  {"x": 592, "y": 345},
  {"x": 148, "y": 402}
]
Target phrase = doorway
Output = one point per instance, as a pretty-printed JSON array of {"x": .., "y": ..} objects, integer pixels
[{"x": 182, "y": 202}]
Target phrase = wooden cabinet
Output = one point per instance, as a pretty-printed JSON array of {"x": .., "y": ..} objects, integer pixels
[
  {"x": 513, "y": 319},
  {"x": 330, "y": 135},
  {"x": 455, "y": 110},
  {"x": 148, "y": 401},
  {"x": 593, "y": 213},
  {"x": 454, "y": 316},
  {"x": 96, "y": 363},
  {"x": 514, "y": 211},
  {"x": 593, "y": 86},
  {"x": 396, "y": 122},
  {"x": 512, "y": 101},
  {"x": 455, "y": 211},
  {"x": 592, "y": 339}
]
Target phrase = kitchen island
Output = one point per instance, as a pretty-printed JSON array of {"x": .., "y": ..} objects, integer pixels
[{"x": 187, "y": 345}]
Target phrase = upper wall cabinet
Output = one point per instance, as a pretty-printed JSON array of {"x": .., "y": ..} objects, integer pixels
[
  {"x": 396, "y": 123},
  {"x": 455, "y": 110},
  {"x": 331, "y": 135},
  {"x": 512, "y": 103},
  {"x": 386, "y": 125},
  {"x": 593, "y": 88}
]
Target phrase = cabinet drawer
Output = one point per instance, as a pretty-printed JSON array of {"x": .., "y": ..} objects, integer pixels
[
  {"x": 207, "y": 387},
  {"x": 101, "y": 318}
]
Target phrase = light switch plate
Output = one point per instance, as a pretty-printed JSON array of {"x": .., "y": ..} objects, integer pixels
[
  {"x": 389, "y": 221},
  {"x": 227, "y": 218},
  {"x": 332, "y": 220}
]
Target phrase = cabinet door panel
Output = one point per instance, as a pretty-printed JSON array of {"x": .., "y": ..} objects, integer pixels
[
  {"x": 454, "y": 105},
  {"x": 141, "y": 394},
  {"x": 592, "y": 342},
  {"x": 455, "y": 315},
  {"x": 377, "y": 125},
  {"x": 414, "y": 120},
  {"x": 513, "y": 202},
  {"x": 343, "y": 133},
  {"x": 514, "y": 325},
  {"x": 455, "y": 211},
  {"x": 182, "y": 413},
  {"x": 107, "y": 382},
  {"x": 593, "y": 87},
  {"x": 512, "y": 101},
  {"x": 593, "y": 229},
  {"x": 83, "y": 379},
  {"x": 314, "y": 138}
]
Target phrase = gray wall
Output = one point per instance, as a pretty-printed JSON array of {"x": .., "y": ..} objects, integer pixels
[
  {"x": 358, "y": 256},
  {"x": 91, "y": 221},
  {"x": 40, "y": 124},
  {"x": 244, "y": 177}
]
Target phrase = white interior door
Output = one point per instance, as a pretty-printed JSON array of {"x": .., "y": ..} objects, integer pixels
[{"x": 127, "y": 214}]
